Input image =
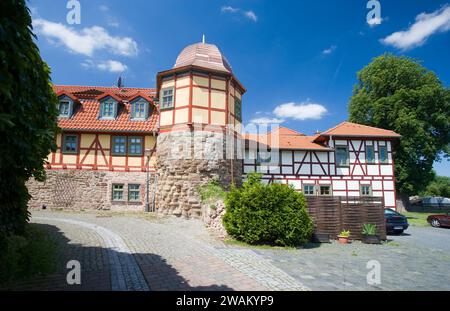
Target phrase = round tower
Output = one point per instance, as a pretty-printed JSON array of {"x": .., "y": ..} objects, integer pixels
[{"x": 199, "y": 138}]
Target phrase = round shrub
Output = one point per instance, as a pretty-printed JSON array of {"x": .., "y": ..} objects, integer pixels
[{"x": 267, "y": 214}]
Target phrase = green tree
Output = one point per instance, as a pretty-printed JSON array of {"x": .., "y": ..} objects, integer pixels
[
  {"x": 439, "y": 187},
  {"x": 28, "y": 114},
  {"x": 399, "y": 94}
]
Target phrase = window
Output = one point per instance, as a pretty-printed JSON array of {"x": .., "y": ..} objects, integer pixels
[
  {"x": 308, "y": 189},
  {"x": 70, "y": 144},
  {"x": 119, "y": 145},
  {"x": 370, "y": 155},
  {"x": 325, "y": 190},
  {"x": 139, "y": 110},
  {"x": 135, "y": 145},
  {"x": 238, "y": 109},
  {"x": 383, "y": 154},
  {"x": 342, "y": 156},
  {"x": 366, "y": 190},
  {"x": 64, "y": 109},
  {"x": 117, "y": 193},
  {"x": 108, "y": 109},
  {"x": 167, "y": 98},
  {"x": 134, "y": 193},
  {"x": 264, "y": 158}
]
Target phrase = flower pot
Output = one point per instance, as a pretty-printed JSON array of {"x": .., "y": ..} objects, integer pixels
[
  {"x": 343, "y": 239},
  {"x": 371, "y": 239}
]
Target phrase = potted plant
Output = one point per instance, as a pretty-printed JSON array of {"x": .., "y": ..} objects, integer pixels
[
  {"x": 369, "y": 233},
  {"x": 343, "y": 237}
]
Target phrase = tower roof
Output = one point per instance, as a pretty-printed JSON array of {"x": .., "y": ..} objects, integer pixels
[{"x": 203, "y": 55}]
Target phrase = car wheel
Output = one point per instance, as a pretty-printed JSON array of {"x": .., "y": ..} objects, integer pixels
[{"x": 435, "y": 223}]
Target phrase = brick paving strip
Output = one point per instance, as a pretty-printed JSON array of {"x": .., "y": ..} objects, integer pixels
[{"x": 124, "y": 270}]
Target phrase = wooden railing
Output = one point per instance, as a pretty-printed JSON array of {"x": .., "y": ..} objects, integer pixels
[{"x": 332, "y": 215}]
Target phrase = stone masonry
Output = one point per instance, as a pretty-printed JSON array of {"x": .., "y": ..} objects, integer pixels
[
  {"x": 187, "y": 160},
  {"x": 86, "y": 190}
]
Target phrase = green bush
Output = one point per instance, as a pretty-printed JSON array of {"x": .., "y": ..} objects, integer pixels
[
  {"x": 29, "y": 255},
  {"x": 267, "y": 214}
]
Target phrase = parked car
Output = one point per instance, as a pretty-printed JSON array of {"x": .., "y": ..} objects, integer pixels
[
  {"x": 395, "y": 222},
  {"x": 439, "y": 220}
]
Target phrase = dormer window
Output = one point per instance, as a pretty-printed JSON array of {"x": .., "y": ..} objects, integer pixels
[
  {"x": 108, "y": 109},
  {"x": 139, "y": 109},
  {"x": 65, "y": 107},
  {"x": 167, "y": 98}
]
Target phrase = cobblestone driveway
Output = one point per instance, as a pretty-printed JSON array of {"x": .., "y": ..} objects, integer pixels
[{"x": 137, "y": 252}]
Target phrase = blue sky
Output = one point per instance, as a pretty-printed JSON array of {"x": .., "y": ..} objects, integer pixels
[{"x": 297, "y": 59}]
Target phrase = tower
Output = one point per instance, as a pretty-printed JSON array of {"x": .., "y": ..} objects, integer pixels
[{"x": 200, "y": 103}]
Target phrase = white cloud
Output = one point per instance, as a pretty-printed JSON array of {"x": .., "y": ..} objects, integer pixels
[
  {"x": 251, "y": 15},
  {"x": 418, "y": 33},
  {"x": 104, "y": 8},
  {"x": 229, "y": 9},
  {"x": 264, "y": 120},
  {"x": 303, "y": 111},
  {"x": 247, "y": 14},
  {"x": 85, "y": 41},
  {"x": 329, "y": 50},
  {"x": 109, "y": 65}
]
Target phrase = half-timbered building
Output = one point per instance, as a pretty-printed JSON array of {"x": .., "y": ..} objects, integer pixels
[{"x": 128, "y": 148}]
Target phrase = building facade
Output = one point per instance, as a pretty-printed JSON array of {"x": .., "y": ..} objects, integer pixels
[{"x": 151, "y": 148}]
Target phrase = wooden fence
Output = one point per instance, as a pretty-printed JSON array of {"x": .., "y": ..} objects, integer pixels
[{"x": 332, "y": 215}]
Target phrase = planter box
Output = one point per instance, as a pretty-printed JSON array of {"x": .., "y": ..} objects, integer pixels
[{"x": 371, "y": 239}]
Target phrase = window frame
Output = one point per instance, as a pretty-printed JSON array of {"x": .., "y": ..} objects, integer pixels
[
  {"x": 261, "y": 161},
  {"x": 238, "y": 102},
  {"x": 325, "y": 195},
  {"x": 64, "y": 140},
  {"x": 370, "y": 161},
  {"x": 162, "y": 96},
  {"x": 386, "y": 159},
  {"x": 139, "y": 199},
  {"x": 347, "y": 164},
  {"x": 313, "y": 189},
  {"x": 69, "y": 108},
  {"x": 136, "y": 102},
  {"x": 113, "y": 190},
  {"x": 361, "y": 193},
  {"x": 114, "y": 103},
  {"x": 128, "y": 146},
  {"x": 113, "y": 144}
]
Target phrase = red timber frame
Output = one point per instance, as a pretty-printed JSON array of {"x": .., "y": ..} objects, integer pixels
[
  {"x": 99, "y": 152},
  {"x": 318, "y": 167},
  {"x": 192, "y": 72}
]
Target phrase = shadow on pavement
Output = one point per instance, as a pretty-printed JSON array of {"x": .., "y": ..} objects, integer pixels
[{"x": 96, "y": 270}]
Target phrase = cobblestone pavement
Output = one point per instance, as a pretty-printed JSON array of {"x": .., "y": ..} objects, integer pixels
[
  {"x": 171, "y": 253},
  {"x": 417, "y": 260},
  {"x": 138, "y": 252}
]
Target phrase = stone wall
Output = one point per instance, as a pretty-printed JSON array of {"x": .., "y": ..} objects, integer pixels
[
  {"x": 86, "y": 190},
  {"x": 186, "y": 160}
]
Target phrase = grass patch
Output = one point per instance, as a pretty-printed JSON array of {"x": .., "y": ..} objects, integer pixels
[
  {"x": 393, "y": 244},
  {"x": 211, "y": 192},
  {"x": 32, "y": 255},
  {"x": 234, "y": 242},
  {"x": 417, "y": 219}
]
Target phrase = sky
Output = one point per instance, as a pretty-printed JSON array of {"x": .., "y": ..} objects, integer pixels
[{"x": 297, "y": 59}]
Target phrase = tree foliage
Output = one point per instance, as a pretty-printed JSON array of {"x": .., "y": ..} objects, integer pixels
[
  {"x": 439, "y": 187},
  {"x": 28, "y": 114},
  {"x": 275, "y": 214},
  {"x": 399, "y": 94}
]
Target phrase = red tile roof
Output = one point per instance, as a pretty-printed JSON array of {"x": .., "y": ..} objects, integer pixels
[
  {"x": 87, "y": 108},
  {"x": 357, "y": 130},
  {"x": 285, "y": 139}
]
